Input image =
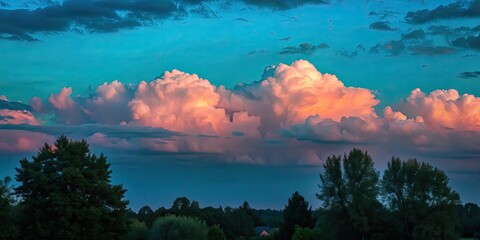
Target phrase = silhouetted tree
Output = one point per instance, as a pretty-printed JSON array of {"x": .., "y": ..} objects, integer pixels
[
  {"x": 65, "y": 193},
  {"x": 469, "y": 219},
  {"x": 350, "y": 195},
  {"x": 296, "y": 213},
  {"x": 146, "y": 215},
  {"x": 8, "y": 230},
  {"x": 419, "y": 195}
]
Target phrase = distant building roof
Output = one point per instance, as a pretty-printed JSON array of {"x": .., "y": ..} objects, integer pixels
[{"x": 260, "y": 229}]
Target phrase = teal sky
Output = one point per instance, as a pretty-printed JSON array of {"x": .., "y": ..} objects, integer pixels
[{"x": 387, "y": 47}]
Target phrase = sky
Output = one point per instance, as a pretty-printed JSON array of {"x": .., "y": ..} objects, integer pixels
[{"x": 232, "y": 101}]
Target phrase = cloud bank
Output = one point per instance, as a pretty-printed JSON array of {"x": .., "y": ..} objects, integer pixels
[{"x": 295, "y": 114}]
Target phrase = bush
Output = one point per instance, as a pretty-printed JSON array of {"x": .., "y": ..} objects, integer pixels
[
  {"x": 178, "y": 228},
  {"x": 137, "y": 231},
  {"x": 216, "y": 233},
  {"x": 303, "y": 234}
]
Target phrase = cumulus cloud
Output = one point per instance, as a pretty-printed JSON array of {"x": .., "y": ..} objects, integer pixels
[
  {"x": 291, "y": 93},
  {"x": 183, "y": 102},
  {"x": 444, "y": 109},
  {"x": 294, "y": 114}
]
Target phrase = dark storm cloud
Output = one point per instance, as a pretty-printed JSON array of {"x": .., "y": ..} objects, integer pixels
[
  {"x": 93, "y": 16},
  {"x": 431, "y": 50},
  {"x": 283, "y": 4},
  {"x": 459, "y": 9},
  {"x": 381, "y": 26},
  {"x": 472, "y": 42},
  {"x": 303, "y": 48},
  {"x": 468, "y": 75}
]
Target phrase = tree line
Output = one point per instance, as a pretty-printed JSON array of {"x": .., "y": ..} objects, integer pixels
[{"x": 65, "y": 192}]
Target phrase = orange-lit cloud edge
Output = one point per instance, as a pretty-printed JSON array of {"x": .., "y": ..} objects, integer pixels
[{"x": 295, "y": 115}]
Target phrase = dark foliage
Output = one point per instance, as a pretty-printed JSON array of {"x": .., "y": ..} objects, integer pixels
[{"x": 66, "y": 193}]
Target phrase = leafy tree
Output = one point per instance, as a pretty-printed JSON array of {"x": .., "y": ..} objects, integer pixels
[
  {"x": 8, "y": 229},
  {"x": 350, "y": 194},
  {"x": 66, "y": 193},
  {"x": 146, "y": 215},
  {"x": 296, "y": 213},
  {"x": 216, "y": 233},
  {"x": 173, "y": 227},
  {"x": 419, "y": 195},
  {"x": 137, "y": 231},
  {"x": 469, "y": 216}
]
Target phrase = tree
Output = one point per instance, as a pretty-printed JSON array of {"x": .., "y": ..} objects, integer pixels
[
  {"x": 296, "y": 213},
  {"x": 173, "y": 227},
  {"x": 8, "y": 229},
  {"x": 146, "y": 215},
  {"x": 419, "y": 194},
  {"x": 469, "y": 215},
  {"x": 350, "y": 196},
  {"x": 66, "y": 193},
  {"x": 216, "y": 233}
]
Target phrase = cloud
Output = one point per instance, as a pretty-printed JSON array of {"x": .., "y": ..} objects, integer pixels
[
  {"x": 444, "y": 109},
  {"x": 183, "y": 102},
  {"x": 16, "y": 113},
  {"x": 414, "y": 41},
  {"x": 108, "y": 105},
  {"x": 293, "y": 115},
  {"x": 288, "y": 94},
  {"x": 13, "y": 141},
  {"x": 468, "y": 75},
  {"x": 351, "y": 54},
  {"x": 381, "y": 26},
  {"x": 472, "y": 42},
  {"x": 459, "y": 9},
  {"x": 414, "y": 35},
  {"x": 393, "y": 48},
  {"x": 283, "y": 4},
  {"x": 431, "y": 50},
  {"x": 93, "y": 16},
  {"x": 303, "y": 48}
]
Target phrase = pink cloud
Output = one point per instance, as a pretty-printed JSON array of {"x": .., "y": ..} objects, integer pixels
[
  {"x": 62, "y": 100},
  {"x": 184, "y": 102},
  {"x": 444, "y": 109},
  {"x": 289, "y": 94},
  {"x": 295, "y": 114},
  {"x": 109, "y": 105},
  {"x": 17, "y": 117},
  {"x": 22, "y": 141}
]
